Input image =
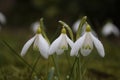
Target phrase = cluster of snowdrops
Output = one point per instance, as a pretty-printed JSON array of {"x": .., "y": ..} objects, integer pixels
[{"x": 84, "y": 43}]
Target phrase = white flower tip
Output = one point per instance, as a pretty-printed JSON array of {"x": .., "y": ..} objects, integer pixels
[
  {"x": 22, "y": 54},
  {"x": 50, "y": 53},
  {"x": 72, "y": 53},
  {"x": 2, "y": 18},
  {"x": 34, "y": 26},
  {"x": 102, "y": 55},
  {"x": 46, "y": 57}
]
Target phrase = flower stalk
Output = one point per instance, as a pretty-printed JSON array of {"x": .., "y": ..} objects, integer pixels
[
  {"x": 80, "y": 27},
  {"x": 42, "y": 28}
]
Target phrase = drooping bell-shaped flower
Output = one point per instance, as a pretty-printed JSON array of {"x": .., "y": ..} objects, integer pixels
[
  {"x": 109, "y": 28},
  {"x": 85, "y": 44},
  {"x": 2, "y": 18},
  {"x": 34, "y": 26},
  {"x": 61, "y": 43},
  {"x": 38, "y": 42}
]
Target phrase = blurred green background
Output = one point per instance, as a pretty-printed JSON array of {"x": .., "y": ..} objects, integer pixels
[{"x": 20, "y": 14}]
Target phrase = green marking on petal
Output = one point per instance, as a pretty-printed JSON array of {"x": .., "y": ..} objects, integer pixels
[
  {"x": 35, "y": 48},
  {"x": 86, "y": 47},
  {"x": 64, "y": 47}
]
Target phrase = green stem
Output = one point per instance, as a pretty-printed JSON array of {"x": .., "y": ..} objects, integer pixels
[
  {"x": 34, "y": 65},
  {"x": 80, "y": 27},
  {"x": 51, "y": 74},
  {"x": 72, "y": 68},
  {"x": 43, "y": 32},
  {"x": 56, "y": 67},
  {"x": 79, "y": 69},
  {"x": 68, "y": 60},
  {"x": 82, "y": 68}
]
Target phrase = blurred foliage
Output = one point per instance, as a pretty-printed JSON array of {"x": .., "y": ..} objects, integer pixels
[{"x": 24, "y": 12}]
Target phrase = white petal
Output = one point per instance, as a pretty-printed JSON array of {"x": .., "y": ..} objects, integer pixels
[
  {"x": 85, "y": 52},
  {"x": 59, "y": 51},
  {"x": 77, "y": 45},
  {"x": 87, "y": 45},
  {"x": 98, "y": 46},
  {"x": 75, "y": 26},
  {"x": 2, "y": 18},
  {"x": 34, "y": 26},
  {"x": 26, "y": 46},
  {"x": 107, "y": 29},
  {"x": 70, "y": 42},
  {"x": 54, "y": 46},
  {"x": 35, "y": 45},
  {"x": 43, "y": 46},
  {"x": 63, "y": 43},
  {"x": 116, "y": 31}
]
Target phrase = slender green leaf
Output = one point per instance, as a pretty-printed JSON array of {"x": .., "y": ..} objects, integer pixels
[{"x": 80, "y": 27}]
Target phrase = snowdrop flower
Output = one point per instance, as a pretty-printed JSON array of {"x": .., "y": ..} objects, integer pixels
[
  {"x": 2, "y": 18},
  {"x": 85, "y": 43},
  {"x": 34, "y": 26},
  {"x": 39, "y": 42},
  {"x": 109, "y": 28},
  {"x": 61, "y": 43}
]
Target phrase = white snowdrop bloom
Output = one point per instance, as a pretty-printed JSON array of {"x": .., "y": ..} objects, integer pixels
[
  {"x": 85, "y": 44},
  {"x": 34, "y": 26},
  {"x": 38, "y": 42},
  {"x": 2, "y": 18},
  {"x": 109, "y": 28},
  {"x": 61, "y": 43}
]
